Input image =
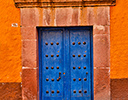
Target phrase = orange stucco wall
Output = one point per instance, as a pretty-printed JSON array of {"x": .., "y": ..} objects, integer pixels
[
  {"x": 119, "y": 40},
  {"x": 10, "y": 42}
]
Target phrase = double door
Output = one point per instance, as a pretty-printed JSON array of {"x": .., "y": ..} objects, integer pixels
[{"x": 65, "y": 64}]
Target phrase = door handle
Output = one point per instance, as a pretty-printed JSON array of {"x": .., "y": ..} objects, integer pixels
[{"x": 59, "y": 75}]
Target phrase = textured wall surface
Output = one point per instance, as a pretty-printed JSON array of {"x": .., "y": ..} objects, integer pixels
[
  {"x": 10, "y": 49},
  {"x": 10, "y": 91},
  {"x": 10, "y": 42},
  {"x": 119, "y": 89},
  {"x": 119, "y": 40},
  {"x": 119, "y": 50}
]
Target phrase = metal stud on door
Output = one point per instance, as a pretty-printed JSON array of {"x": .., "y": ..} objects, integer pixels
[{"x": 65, "y": 64}]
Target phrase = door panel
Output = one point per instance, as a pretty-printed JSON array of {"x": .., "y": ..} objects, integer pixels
[
  {"x": 80, "y": 64},
  {"x": 65, "y": 65},
  {"x": 52, "y": 64}
]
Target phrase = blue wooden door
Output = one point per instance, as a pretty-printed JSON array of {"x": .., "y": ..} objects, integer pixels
[{"x": 65, "y": 63}]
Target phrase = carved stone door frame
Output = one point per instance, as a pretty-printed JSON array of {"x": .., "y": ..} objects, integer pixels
[{"x": 98, "y": 17}]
